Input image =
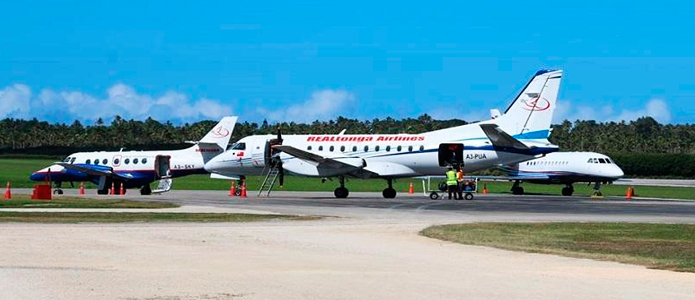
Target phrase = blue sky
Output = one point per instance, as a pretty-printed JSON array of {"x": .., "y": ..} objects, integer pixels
[{"x": 291, "y": 61}]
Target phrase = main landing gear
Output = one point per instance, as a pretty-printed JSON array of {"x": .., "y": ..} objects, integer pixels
[
  {"x": 58, "y": 190},
  {"x": 146, "y": 190},
  {"x": 568, "y": 190},
  {"x": 517, "y": 189},
  {"x": 341, "y": 192},
  {"x": 389, "y": 192}
]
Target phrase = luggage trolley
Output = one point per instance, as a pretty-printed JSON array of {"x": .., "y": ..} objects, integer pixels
[{"x": 434, "y": 194}]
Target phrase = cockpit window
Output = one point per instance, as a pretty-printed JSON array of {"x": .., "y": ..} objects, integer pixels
[
  {"x": 595, "y": 160},
  {"x": 72, "y": 160},
  {"x": 608, "y": 160},
  {"x": 601, "y": 160},
  {"x": 67, "y": 159},
  {"x": 590, "y": 160},
  {"x": 239, "y": 146}
]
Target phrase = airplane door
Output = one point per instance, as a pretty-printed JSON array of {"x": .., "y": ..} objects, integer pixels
[
  {"x": 451, "y": 155},
  {"x": 161, "y": 166}
]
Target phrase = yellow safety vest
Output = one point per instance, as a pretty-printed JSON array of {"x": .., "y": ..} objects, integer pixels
[{"x": 451, "y": 178}]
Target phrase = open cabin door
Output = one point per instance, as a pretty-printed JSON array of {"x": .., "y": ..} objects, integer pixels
[
  {"x": 161, "y": 166},
  {"x": 451, "y": 154}
]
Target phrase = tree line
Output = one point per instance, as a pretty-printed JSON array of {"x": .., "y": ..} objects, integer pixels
[{"x": 642, "y": 147}]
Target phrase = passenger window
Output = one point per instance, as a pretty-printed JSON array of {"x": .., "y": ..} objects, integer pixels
[
  {"x": 320, "y": 148},
  {"x": 366, "y": 148},
  {"x": 96, "y": 161},
  {"x": 89, "y": 161},
  {"x": 331, "y": 148},
  {"x": 376, "y": 148},
  {"x": 308, "y": 148},
  {"x": 388, "y": 148},
  {"x": 342, "y": 148},
  {"x": 144, "y": 161},
  {"x": 410, "y": 148},
  {"x": 104, "y": 161},
  {"x": 127, "y": 161},
  {"x": 422, "y": 148},
  {"x": 135, "y": 160},
  {"x": 116, "y": 161},
  {"x": 399, "y": 148},
  {"x": 354, "y": 148}
]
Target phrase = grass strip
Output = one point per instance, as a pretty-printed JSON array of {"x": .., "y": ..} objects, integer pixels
[
  {"x": 658, "y": 246},
  {"x": 145, "y": 217},
  {"x": 24, "y": 201}
]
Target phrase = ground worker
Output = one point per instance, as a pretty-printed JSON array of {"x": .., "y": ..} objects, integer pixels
[
  {"x": 451, "y": 183},
  {"x": 459, "y": 181}
]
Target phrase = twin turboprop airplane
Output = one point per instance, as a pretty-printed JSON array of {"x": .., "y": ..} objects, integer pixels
[
  {"x": 137, "y": 169},
  {"x": 519, "y": 135}
]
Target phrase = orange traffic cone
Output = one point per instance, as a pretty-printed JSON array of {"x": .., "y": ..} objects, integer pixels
[
  {"x": 411, "y": 190},
  {"x": 485, "y": 191},
  {"x": 81, "y": 192},
  {"x": 243, "y": 188},
  {"x": 113, "y": 189},
  {"x": 628, "y": 193},
  {"x": 121, "y": 191},
  {"x": 8, "y": 193},
  {"x": 231, "y": 190}
]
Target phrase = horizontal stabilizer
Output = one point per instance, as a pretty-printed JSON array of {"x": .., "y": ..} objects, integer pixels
[{"x": 501, "y": 139}]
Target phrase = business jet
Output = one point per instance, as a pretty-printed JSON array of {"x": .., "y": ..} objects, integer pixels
[
  {"x": 137, "y": 169},
  {"x": 519, "y": 135},
  {"x": 564, "y": 168}
]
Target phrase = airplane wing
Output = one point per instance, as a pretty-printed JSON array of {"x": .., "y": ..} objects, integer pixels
[
  {"x": 93, "y": 170},
  {"x": 318, "y": 159}
]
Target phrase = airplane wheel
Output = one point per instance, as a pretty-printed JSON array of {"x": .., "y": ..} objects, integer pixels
[
  {"x": 103, "y": 192},
  {"x": 434, "y": 196},
  {"x": 518, "y": 190},
  {"x": 389, "y": 193},
  {"x": 341, "y": 192},
  {"x": 567, "y": 191},
  {"x": 145, "y": 190},
  {"x": 468, "y": 196},
  {"x": 58, "y": 191}
]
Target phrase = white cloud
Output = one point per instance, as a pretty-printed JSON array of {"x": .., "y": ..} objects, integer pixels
[
  {"x": 323, "y": 104},
  {"x": 655, "y": 108},
  {"x": 18, "y": 101}
]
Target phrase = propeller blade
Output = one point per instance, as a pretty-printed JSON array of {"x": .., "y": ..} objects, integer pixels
[
  {"x": 279, "y": 136},
  {"x": 281, "y": 171}
]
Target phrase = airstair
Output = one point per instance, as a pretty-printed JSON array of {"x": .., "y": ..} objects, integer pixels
[
  {"x": 164, "y": 185},
  {"x": 272, "y": 174}
]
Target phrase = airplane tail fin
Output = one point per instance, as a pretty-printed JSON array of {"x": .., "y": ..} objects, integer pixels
[
  {"x": 531, "y": 113},
  {"x": 220, "y": 134}
]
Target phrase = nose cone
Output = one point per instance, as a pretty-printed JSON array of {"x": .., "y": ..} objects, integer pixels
[
  {"x": 617, "y": 172},
  {"x": 36, "y": 176}
]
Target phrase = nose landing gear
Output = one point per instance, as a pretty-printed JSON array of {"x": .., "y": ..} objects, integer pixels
[{"x": 389, "y": 192}]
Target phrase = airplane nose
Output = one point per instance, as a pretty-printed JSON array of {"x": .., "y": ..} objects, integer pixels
[
  {"x": 36, "y": 176},
  {"x": 617, "y": 172}
]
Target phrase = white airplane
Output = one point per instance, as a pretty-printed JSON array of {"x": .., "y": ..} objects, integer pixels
[
  {"x": 564, "y": 168},
  {"x": 519, "y": 135},
  {"x": 137, "y": 169}
]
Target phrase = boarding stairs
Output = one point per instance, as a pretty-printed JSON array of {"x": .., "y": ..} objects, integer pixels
[
  {"x": 164, "y": 185},
  {"x": 271, "y": 176}
]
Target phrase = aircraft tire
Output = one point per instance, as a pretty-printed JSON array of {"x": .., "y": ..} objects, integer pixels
[
  {"x": 58, "y": 191},
  {"x": 341, "y": 192},
  {"x": 145, "y": 190},
  {"x": 567, "y": 191},
  {"x": 103, "y": 192},
  {"x": 518, "y": 190},
  {"x": 434, "y": 196},
  {"x": 468, "y": 196},
  {"x": 389, "y": 193}
]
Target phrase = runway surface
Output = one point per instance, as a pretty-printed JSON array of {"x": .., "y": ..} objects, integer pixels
[{"x": 366, "y": 248}]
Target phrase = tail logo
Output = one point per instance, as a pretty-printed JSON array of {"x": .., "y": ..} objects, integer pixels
[
  {"x": 536, "y": 104},
  {"x": 220, "y": 132}
]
